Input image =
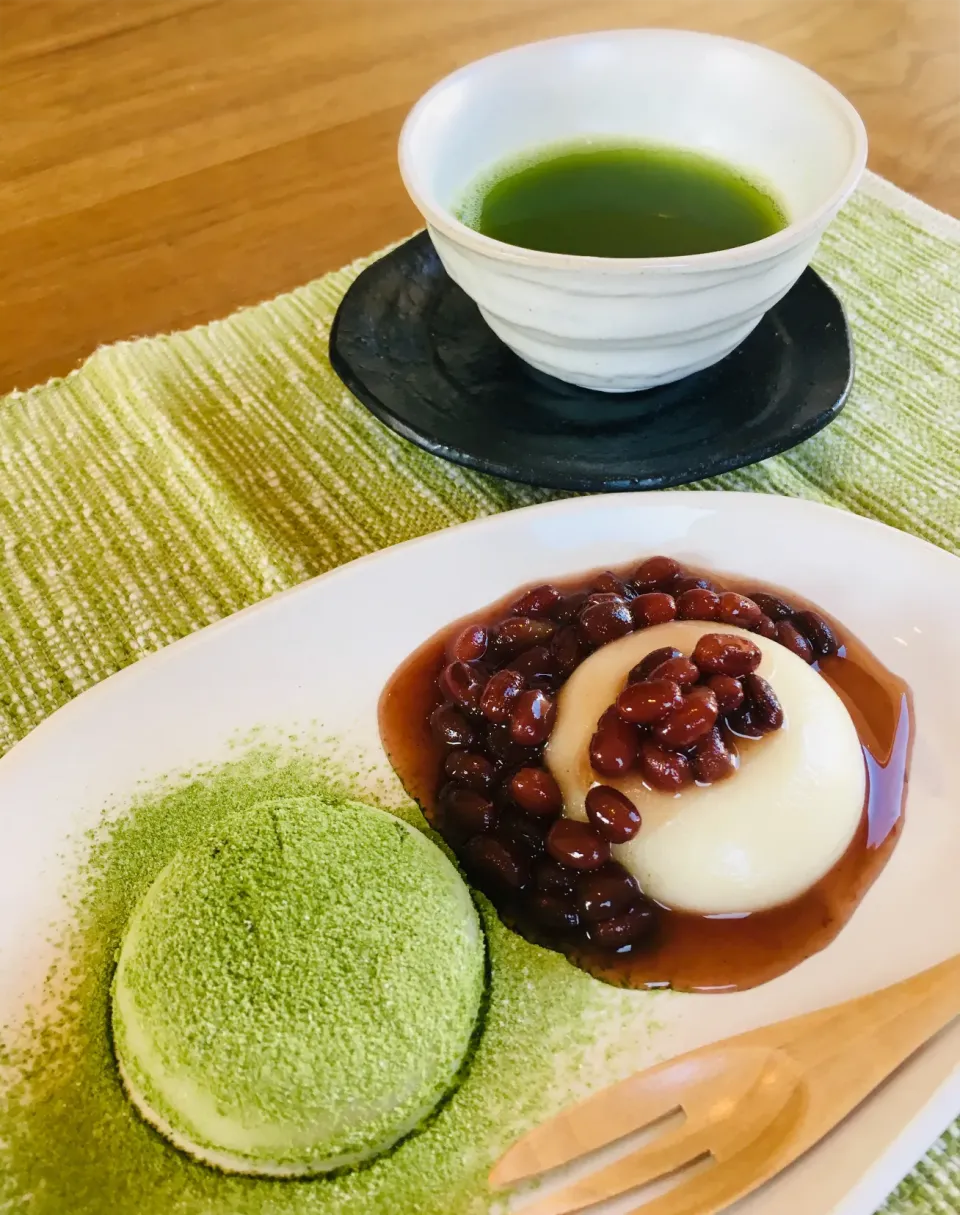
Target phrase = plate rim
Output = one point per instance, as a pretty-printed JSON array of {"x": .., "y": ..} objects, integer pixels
[{"x": 791, "y": 437}]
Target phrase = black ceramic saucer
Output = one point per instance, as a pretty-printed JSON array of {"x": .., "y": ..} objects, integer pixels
[{"x": 414, "y": 349}]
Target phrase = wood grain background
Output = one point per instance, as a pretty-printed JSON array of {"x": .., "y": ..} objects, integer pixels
[{"x": 164, "y": 161}]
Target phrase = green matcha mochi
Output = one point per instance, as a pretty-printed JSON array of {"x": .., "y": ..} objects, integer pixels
[{"x": 298, "y": 992}]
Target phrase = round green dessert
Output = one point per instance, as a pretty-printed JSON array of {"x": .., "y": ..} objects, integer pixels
[{"x": 298, "y": 992}]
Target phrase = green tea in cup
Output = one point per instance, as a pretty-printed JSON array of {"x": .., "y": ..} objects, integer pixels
[{"x": 624, "y": 200}]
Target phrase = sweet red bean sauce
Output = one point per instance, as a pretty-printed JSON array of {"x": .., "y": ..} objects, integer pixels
[{"x": 464, "y": 721}]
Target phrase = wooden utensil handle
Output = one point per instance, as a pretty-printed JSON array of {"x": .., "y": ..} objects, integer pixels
[
  {"x": 861, "y": 1042},
  {"x": 909, "y": 1013}
]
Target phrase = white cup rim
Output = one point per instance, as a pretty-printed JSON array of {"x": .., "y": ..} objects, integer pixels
[{"x": 769, "y": 246}]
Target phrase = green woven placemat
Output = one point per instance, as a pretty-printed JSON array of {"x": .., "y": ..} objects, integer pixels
[{"x": 172, "y": 480}]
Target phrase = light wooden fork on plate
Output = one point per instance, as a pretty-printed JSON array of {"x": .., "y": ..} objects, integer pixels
[{"x": 752, "y": 1103}]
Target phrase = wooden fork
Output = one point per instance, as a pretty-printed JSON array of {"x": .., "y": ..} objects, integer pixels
[{"x": 752, "y": 1103}]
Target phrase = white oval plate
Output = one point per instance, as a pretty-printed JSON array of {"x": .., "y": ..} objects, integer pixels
[{"x": 323, "y": 651}]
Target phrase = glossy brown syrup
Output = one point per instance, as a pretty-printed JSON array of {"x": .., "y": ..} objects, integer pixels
[{"x": 693, "y": 952}]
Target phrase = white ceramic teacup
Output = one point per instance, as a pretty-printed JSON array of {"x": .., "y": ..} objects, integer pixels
[{"x": 625, "y": 323}]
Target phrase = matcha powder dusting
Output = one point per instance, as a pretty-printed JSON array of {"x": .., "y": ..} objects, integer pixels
[{"x": 72, "y": 1144}]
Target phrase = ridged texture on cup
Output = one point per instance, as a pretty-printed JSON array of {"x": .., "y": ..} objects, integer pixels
[{"x": 617, "y": 332}]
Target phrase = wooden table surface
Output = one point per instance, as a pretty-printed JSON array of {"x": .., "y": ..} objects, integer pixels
[{"x": 164, "y": 161}]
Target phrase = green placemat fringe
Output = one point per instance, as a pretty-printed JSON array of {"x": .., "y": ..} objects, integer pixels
[{"x": 173, "y": 480}]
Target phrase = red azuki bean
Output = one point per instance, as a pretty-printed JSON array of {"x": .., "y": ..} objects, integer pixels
[
  {"x": 648, "y": 664},
  {"x": 532, "y": 718},
  {"x": 765, "y": 627},
  {"x": 463, "y": 684},
  {"x": 603, "y": 620},
  {"x": 766, "y": 709},
  {"x": 712, "y": 759},
  {"x": 555, "y": 911},
  {"x": 728, "y": 691},
  {"x": 467, "y": 811},
  {"x": 663, "y": 769},
  {"x": 500, "y": 694},
  {"x": 653, "y": 607},
  {"x": 468, "y": 768},
  {"x": 505, "y": 752},
  {"x": 576, "y": 845},
  {"x": 535, "y": 791},
  {"x": 737, "y": 609},
  {"x": 654, "y": 573},
  {"x": 600, "y": 597},
  {"x": 451, "y": 728},
  {"x": 742, "y": 721},
  {"x": 688, "y": 583},
  {"x": 681, "y": 670},
  {"x": 625, "y": 929},
  {"x": 606, "y": 893},
  {"x": 469, "y": 645},
  {"x": 614, "y": 746},
  {"x": 726, "y": 654},
  {"x": 552, "y": 878},
  {"x": 538, "y": 601},
  {"x": 566, "y": 650},
  {"x": 613, "y": 815},
  {"x": 790, "y": 636},
  {"x": 568, "y": 609},
  {"x": 528, "y": 834},
  {"x": 775, "y": 608},
  {"x": 647, "y": 702},
  {"x": 698, "y": 604},
  {"x": 517, "y": 633},
  {"x": 536, "y": 665},
  {"x": 816, "y": 630},
  {"x": 696, "y": 716},
  {"x": 499, "y": 862},
  {"x": 608, "y": 583}
]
